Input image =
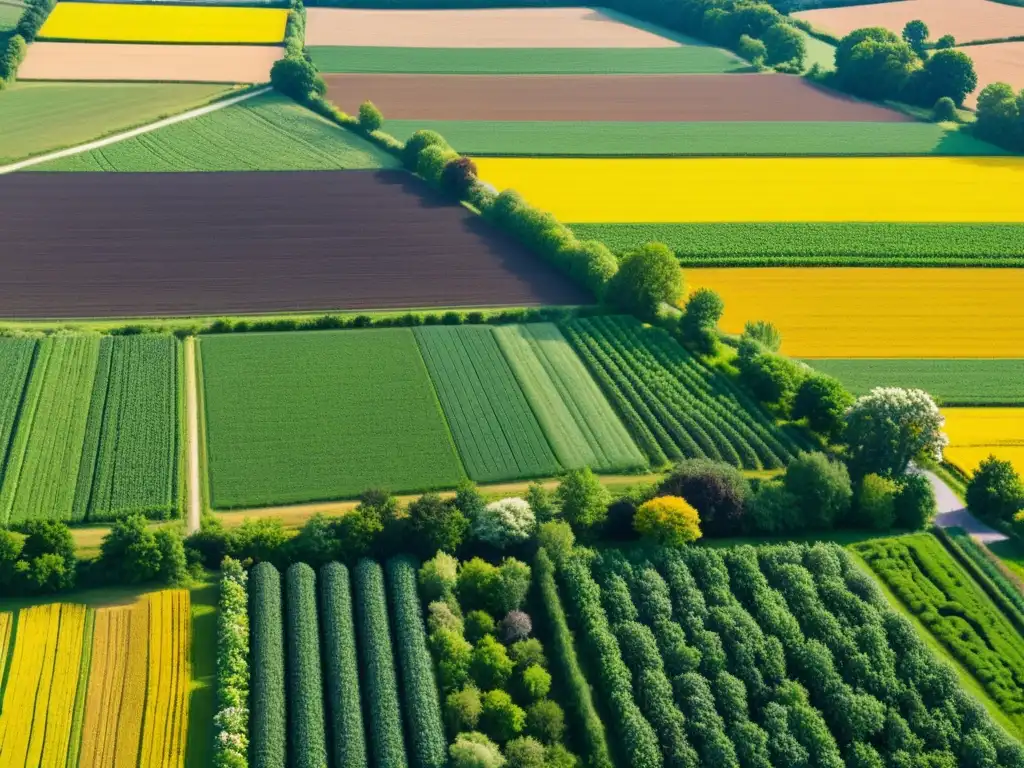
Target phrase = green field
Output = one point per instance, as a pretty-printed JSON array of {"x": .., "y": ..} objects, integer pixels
[
  {"x": 265, "y": 133},
  {"x": 610, "y": 139},
  {"x": 580, "y": 424},
  {"x": 306, "y": 416},
  {"x": 15, "y": 362},
  {"x": 951, "y": 382},
  {"x": 41, "y": 117},
  {"x": 795, "y": 244},
  {"x": 818, "y": 52},
  {"x": 42, "y": 465},
  {"x": 497, "y": 434},
  {"x": 686, "y": 59},
  {"x": 9, "y": 15}
]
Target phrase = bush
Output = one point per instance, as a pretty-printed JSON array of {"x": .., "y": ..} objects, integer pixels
[
  {"x": 416, "y": 143},
  {"x": 821, "y": 489},
  {"x": 772, "y": 378},
  {"x": 341, "y": 668},
  {"x": 454, "y": 654},
  {"x": 526, "y": 653},
  {"x": 10, "y": 60},
  {"x": 370, "y": 118},
  {"x": 297, "y": 79},
  {"x": 784, "y": 45},
  {"x": 438, "y": 576},
  {"x": 876, "y": 503},
  {"x": 557, "y": 538},
  {"x": 491, "y": 667},
  {"x": 545, "y": 721},
  {"x": 478, "y": 624},
  {"x": 698, "y": 325},
  {"x": 514, "y": 583},
  {"x": 718, "y": 491},
  {"x": 647, "y": 278},
  {"x": 915, "y": 502},
  {"x": 945, "y": 111},
  {"x": 432, "y": 161},
  {"x": 592, "y": 264},
  {"x": 536, "y": 682},
  {"x": 435, "y": 524},
  {"x": 474, "y": 750},
  {"x": 500, "y": 718},
  {"x": 874, "y": 63},
  {"x": 525, "y": 752},
  {"x": 462, "y": 709},
  {"x": 669, "y": 521},
  {"x": 306, "y": 725},
  {"x": 584, "y": 501},
  {"x": 459, "y": 176},
  {"x": 231, "y": 721},
  {"x": 764, "y": 333},
  {"x": 947, "y": 73},
  {"x": 752, "y": 50},
  {"x": 479, "y": 584},
  {"x": 268, "y": 679},
  {"x": 995, "y": 490},
  {"x": 542, "y": 502},
  {"x": 504, "y": 522},
  {"x": 515, "y": 626},
  {"x": 823, "y": 401}
]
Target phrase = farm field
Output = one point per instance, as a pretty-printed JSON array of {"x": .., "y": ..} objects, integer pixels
[
  {"x": 996, "y": 63},
  {"x": 265, "y": 133},
  {"x": 9, "y": 15},
  {"x": 285, "y": 410},
  {"x": 865, "y": 312},
  {"x": 139, "y": 23},
  {"x": 966, "y": 20},
  {"x": 40, "y": 117},
  {"x": 673, "y": 405},
  {"x": 950, "y": 382},
  {"x": 975, "y": 433},
  {"x": 297, "y": 242},
  {"x": 828, "y": 244},
  {"x": 175, "y": 63},
  {"x": 651, "y": 98},
  {"x": 604, "y": 138},
  {"x": 936, "y": 589},
  {"x": 497, "y": 433},
  {"x": 694, "y": 60},
  {"x": 775, "y": 189}
]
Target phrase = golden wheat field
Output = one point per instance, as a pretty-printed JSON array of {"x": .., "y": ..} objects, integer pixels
[
  {"x": 619, "y": 190},
  {"x": 142, "y": 23},
  {"x": 976, "y": 433},
  {"x": 876, "y": 312}
]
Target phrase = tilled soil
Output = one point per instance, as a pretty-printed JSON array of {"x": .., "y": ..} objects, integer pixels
[
  {"x": 639, "y": 98},
  {"x": 996, "y": 63},
  {"x": 118, "y": 245}
]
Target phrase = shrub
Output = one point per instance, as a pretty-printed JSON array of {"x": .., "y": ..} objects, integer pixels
[
  {"x": 545, "y": 721},
  {"x": 647, "y": 278},
  {"x": 889, "y": 427},
  {"x": 876, "y": 502},
  {"x": 435, "y": 524},
  {"x": 432, "y": 160},
  {"x": 268, "y": 748},
  {"x": 668, "y": 520},
  {"x": 542, "y": 502},
  {"x": 752, "y": 49},
  {"x": 438, "y": 576},
  {"x": 874, "y": 63},
  {"x": 945, "y": 111},
  {"x": 462, "y": 709},
  {"x": 947, "y": 73},
  {"x": 699, "y": 322},
  {"x": 370, "y": 118},
  {"x": 591, "y": 263},
  {"x": 231, "y": 721},
  {"x": 441, "y": 616},
  {"x": 459, "y": 176},
  {"x": 557, "y": 538},
  {"x": 784, "y": 45},
  {"x": 491, "y": 667},
  {"x": 515, "y": 626},
  {"x": 297, "y": 79},
  {"x": 504, "y": 522},
  {"x": 500, "y": 717},
  {"x": 771, "y": 378},
  {"x": 764, "y": 333},
  {"x": 584, "y": 501},
  {"x": 558, "y": 756},
  {"x": 915, "y": 502},
  {"x": 474, "y": 750},
  {"x": 995, "y": 490},
  {"x": 526, "y": 653},
  {"x": 946, "y": 41},
  {"x": 479, "y": 584},
  {"x": 718, "y": 491},
  {"x": 525, "y": 752},
  {"x": 306, "y": 726},
  {"x": 454, "y": 654},
  {"x": 341, "y": 667},
  {"x": 478, "y": 624},
  {"x": 823, "y": 401},
  {"x": 536, "y": 682},
  {"x": 422, "y": 706},
  {"x": 416, "y": 143},
  {"x": 14, "y": 53}
]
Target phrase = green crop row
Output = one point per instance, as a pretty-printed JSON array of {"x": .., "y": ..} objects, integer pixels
[
  {"x": 93, "y": 430},
  {"x": 671, "y": 400},
  {"x": 378, "y": 667},
  {"x": 422, "y": 705},
  {"x": 16, "y": 361},
  {"x": 231, "y": 741},
  {"x": 342, "y": 668},
  {"x": 307, "y": 738},
  {"x": 991, "y": 568},
  {"x": 267, "y": 717}
]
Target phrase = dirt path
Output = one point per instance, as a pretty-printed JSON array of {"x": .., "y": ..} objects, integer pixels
[
  {"x": 192, "y": 455},
  {"x": 953, "y": 514},
  {"x": 39, "y": 160}
]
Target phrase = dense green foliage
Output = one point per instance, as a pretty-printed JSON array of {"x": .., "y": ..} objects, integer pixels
[
  {"x": 950, "y": 382},
  {"x": 279, "y": 431},
  {"x": 378, "y": 667},
  {"x": 1001, "y": 115},
  {"x": 991, "y": 568},
  {"x": 497, "y": 434},
  {"x": 341, "y": 668},
  {"x": 422, "y": 706},
  {"x": 307, "y": 742},
  {"x": 15, "y": 360},
  {"x": 832, "y": 244},
  {"x": 995, "y": 490},
  {"x": 577, "y": 419},
  {"x": 268, "y": 741},
  {"x": 231, "y": 740},
  {"x": 674, "y": 405}
]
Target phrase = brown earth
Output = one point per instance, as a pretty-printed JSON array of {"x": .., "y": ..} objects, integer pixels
[
  {"x": 653, "y": 98},
  {"x": 170, "y": 63},
  {"x": 486, "y": 28},
  {"x": 966, "y": 20},
  {"x": 118, "y": 245},
  {"x": 996, "y": 63}
]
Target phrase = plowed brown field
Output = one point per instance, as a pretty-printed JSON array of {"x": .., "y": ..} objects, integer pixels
[
  {"x": 171, "y": 63},
  {"x": 996, "y": 63},
  {"x": 114, "y": 245},
  {"x": 487, "y": 28},
  {"x": 638, "y": 98},
  {"x": 966, "y": 20}
]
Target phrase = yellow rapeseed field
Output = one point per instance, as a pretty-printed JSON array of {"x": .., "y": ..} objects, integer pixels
[
  {"x": 6, "y": 624},
  {"x": 876, "y": 312},
  {"x": 166, "y": 711},
  {"x": 143, "y": 23},
  {"x": 976, "y": 433},
  {"x": 760, "y": 189}
]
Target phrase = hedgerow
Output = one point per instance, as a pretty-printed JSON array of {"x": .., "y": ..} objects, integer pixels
[
  {"x": 378, "y": 667},
  {"x": 268, "y": 697},
  {"x": 306, "y": 727},
  {"x": 231, "y": 722},
  {"x": 422, "y": 706},
  {"x": 348, "y": 744}
]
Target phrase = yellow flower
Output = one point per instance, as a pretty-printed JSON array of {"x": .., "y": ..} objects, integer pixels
[{"x": 668, "y": 520}]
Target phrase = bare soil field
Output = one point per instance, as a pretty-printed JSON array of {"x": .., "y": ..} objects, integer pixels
[
  {"x": 966, "y": 20},
  {"x": 486, "y": 28},
  {"x": 996, "y": 63},
  {"x": 119, "y": 245},
  {"x": 640, "y": 98},
  {"x": 139, "y": 62}
]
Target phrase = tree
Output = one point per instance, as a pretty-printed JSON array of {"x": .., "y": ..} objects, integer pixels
[
  {"x": 46, "y": 573},
  {"x": 504, "y": 522},
  {"x": 10, "y": 552},
  {"x": 773, "y": 509},
  {"x": 542, "y": 502},
  {"x": 668, "y": 520},
  {"x": 821, "y": 489},
  {"x": 784, "y": 45},
  {"x": 10, "y": 61},
  {"x": 771, "y": 378},
  {"x": 946, "y": 41},
  {"x": 513, "y": 585},
  {"x": 916, "y": 33},
  {"x": 545, "y": 721},
  {"x": 557, "y": 538},
  {"x": 436, "y": 524},
  {"x": 699, "y": 321},
  {"x": 459, "y": 175},
  {"x": 297, "y": 78},
  {"x": 315, "y": 543},
  {"x": 173, "y": 563},
  {"x": 764, "y": 333},
  {"x": 915, "y": 502},
  {"x": 501, "y": 719},
  {"x": 944, "y": 111},
  {"x": 438, "y": 576},
  {"x": 130, "y": 551},
  {"x": 536, "y": 682},
  {"x": 474, "y": 750},
  {"x": 516, "y": 626},
  {"x": 526, "y": 653},
  {"x": 525, "y": 752},
  {"x": 876, "y": 502},
  {"x": 718, "y": 491},
  {"x": 584, "y": 501},
  {"x": 478, "y": 584},
  {"x": 355, "y": 534},
  {"x": 949, "y": 73},
  {"x": 441, "y": 616},
  {"x": 995, "y": 490},
  {"x": 48, "y": 537},
  {"x": 752, "y": 49},
  {"x": 462, "y": 709},
  {"x": 416, "y": 143},
  {"x": 260, "y": 539},
  {"x": 370, "y": 118},
  {"x": 823, "y": 401},
  {"x": 647, "y": 278},
  {"x": 1000, "y": 113},
  {"x": 874, "y": 63},
  {"x": 478, "y": 625},
  {"x": 889, "y": 427}
]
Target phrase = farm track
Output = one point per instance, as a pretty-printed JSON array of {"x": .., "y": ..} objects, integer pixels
[
  {"x": 117, "y": 245},
  {"x": 652, "y": 98}
]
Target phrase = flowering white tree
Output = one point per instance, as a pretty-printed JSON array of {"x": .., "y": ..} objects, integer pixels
[
  {"x": 504, "y": 522},
  {"x": 889, "y": 427}
]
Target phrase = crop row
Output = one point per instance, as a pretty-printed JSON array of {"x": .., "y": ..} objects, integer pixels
[
  {"x": 167, "y": 687},
  {"x": 231, "y": 737},
  {"x": 306, "y": 727},
  {"x": 15, "y": 360},
  {"x": 991, "y": 567},
  {"x": 675, "y": 406},
  {"x": 267, "y": 718}
]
